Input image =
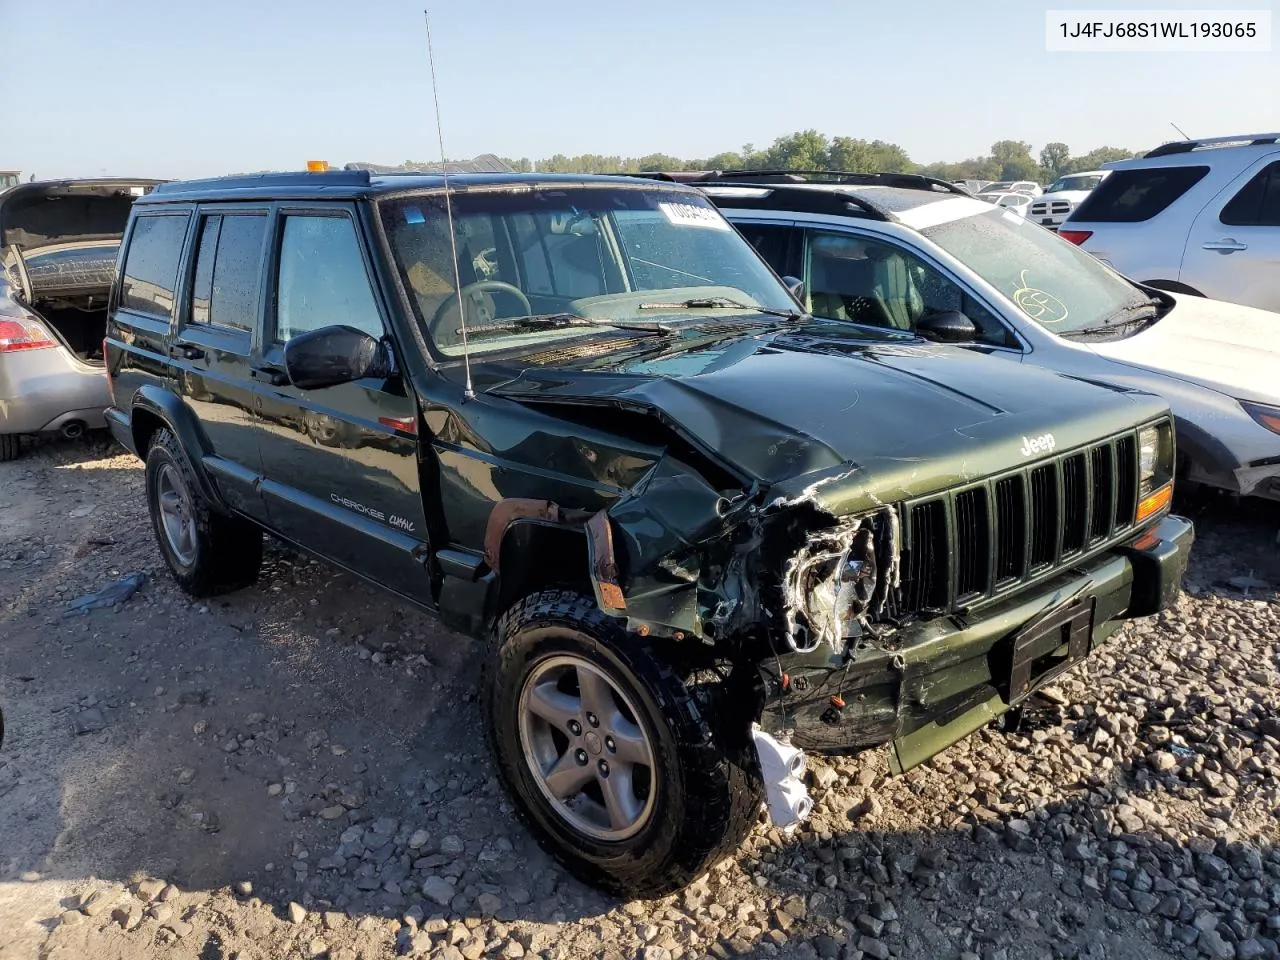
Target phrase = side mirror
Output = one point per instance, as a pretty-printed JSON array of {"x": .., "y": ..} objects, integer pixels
[
  {"x": 947, "y": 326},
  {"x": 796, "y": 286},
  {"x": 333, "y": 355}
]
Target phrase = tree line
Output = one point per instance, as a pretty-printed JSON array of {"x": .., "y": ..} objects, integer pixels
[{"x": 811, "y": 150}]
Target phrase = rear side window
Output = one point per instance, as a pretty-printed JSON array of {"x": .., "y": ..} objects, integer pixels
[
  {"x": 1131, "y": 196},
  {"x": 151, "y": 265},
  {"x": 228, "y": 270},
  {"x": 1258, "y": 202}
]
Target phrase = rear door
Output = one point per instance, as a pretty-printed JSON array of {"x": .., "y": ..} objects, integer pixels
[
  {"x": 340, "y": 463},
  {"x": 1233, "y": 249},
  {"x": 213, "y": 348}
]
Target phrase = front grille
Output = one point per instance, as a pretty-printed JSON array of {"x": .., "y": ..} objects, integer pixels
[
  {"x": 974, "y": 543},
  {"x": 1043, "y": 208}
]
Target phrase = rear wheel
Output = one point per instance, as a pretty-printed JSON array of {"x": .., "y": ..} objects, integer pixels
[
  {"x": 10, "y": 446},
  {"x": 208, "y": 553},
  {"x": 612, "y": 765}
]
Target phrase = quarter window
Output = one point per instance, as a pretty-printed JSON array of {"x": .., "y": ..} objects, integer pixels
[
  {"x": 151, "y": 265},
  {"x": 322, "y": 280},
  {"x": 228, "y": 269},
  {"x": 1258, "y": 202}
]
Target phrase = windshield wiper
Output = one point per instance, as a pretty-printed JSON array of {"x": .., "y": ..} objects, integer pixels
[
  {"x": 559, "y": 321},
  {"x": 1115, "y": 323},
  {"x": 721, "y": 303}
]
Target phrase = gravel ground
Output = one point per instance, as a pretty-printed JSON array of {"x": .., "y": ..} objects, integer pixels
[{"x": 299, "y": 770}]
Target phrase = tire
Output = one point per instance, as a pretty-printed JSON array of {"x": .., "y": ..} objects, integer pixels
[
  {"x": 218, "y": 553},
  {"x": 10, "y": 447},
  {"x": 701, "y": 798}
]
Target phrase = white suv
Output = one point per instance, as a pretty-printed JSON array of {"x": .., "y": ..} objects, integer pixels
[
  {"x": 1064, "y": 195},
  {"x": 1194, "y": 216}
]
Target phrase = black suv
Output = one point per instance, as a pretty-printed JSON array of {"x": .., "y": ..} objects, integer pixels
[{"x": 581, "y": 419}]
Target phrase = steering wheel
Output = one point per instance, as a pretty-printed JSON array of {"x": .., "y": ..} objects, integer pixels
[{"x": 473, "y": 301}]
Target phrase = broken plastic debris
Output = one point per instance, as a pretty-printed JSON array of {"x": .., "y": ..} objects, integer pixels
[{"x": 117, "y": 592}]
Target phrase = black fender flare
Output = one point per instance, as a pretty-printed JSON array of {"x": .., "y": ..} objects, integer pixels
[{"x": 182, "y": 421}]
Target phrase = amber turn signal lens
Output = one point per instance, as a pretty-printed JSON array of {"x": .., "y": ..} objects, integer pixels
[
  {"x": 1155, "y": 502},
  {"x": 317, "y": 166}
]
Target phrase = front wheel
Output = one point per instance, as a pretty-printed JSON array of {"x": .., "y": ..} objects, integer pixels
[
  {"x": 10, "y": 446},
  {"x": 208, "y": 553},
  {"x": 610, "y": 760}
]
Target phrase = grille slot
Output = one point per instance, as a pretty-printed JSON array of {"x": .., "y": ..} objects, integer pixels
[
  {"x": 1126, "y": 480},
  {"x": 973, "y": 542},
  {"x": 1044, "y": 516},
  {"x": 1011, "y": 529},
  {"x": 1074, "y": 493},
  {"x": 1104, "y": 510},
  {"x": 926, "y": 582}
]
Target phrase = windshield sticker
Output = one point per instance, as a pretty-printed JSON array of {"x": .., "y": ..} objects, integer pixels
[
  {"x": 1037, "y": 304},
  {"x": 413, "y": 215},
  {"x": 692, "y": 215}
]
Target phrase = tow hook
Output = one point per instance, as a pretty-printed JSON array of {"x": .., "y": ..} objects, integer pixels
[{"x": 782, "y": 768}]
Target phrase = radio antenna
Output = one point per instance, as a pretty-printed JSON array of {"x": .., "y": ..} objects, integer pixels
[
  {"x": 1179, "y": 129},
  {"x": 468, "y": 392}
]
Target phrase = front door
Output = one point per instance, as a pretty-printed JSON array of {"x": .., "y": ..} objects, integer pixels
[
  {"x": 340, "y": 463},
  {"x": 211, "y": 352},
  {"x": 1233, "y": 250}
]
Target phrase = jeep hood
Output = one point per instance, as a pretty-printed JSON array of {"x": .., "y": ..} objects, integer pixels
[{"x": 826, "y": 411}]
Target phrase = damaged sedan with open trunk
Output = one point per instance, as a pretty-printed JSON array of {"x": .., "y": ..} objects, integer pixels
[
  {"x": 58, "y": 246},
  {"x": 700, "y": 531}
]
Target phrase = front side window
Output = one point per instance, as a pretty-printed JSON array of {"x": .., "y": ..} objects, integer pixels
[
  {"x": 867, "y": 281},
  {"x": 1132, "y": 196},
  {"x": 321, "y": 280},
  {"x": 151, "y": 265},
  {"x": 1258, "y": 202},
  {"x": 228, "y": 270},
  {"x": 526, "y": 261},
  {"x": 1052, "y": 282}
]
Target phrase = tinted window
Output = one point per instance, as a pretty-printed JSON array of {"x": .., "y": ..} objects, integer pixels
[
  {"x": 151, "y": 265},
  {"x": 770, "y": 241},
  {"x": 1131, "y": 196},
  {"x": 1258, "y": 202},
  {"x": 322, "y": 279},
  {"x": 228, "y": 266}
]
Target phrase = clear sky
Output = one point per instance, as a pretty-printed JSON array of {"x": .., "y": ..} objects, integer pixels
[{"x": 175, "y": 88}]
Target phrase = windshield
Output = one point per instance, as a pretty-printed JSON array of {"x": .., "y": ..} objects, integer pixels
[
  {"x": 611, "y": 254},
  {"x": 1074, "y": 183},
  {"x": 1053, "y": 282},
  {"x": 1002, "y": 187}
]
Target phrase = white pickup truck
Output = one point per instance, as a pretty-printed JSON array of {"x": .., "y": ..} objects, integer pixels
[{"x": 1064, "y": 195}]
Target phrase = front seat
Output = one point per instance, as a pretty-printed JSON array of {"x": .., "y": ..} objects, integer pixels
[
  {"x": 844, "y": 289},
  {"x": 894, "y": 288}
]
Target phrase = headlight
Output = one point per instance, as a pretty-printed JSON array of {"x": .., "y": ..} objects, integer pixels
[
  {"x": 1266, "y": 416},
  {"x": 1155, "y": 469}
]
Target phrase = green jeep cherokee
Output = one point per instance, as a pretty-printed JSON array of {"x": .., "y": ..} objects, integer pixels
[{"x": 582, "y": 420}]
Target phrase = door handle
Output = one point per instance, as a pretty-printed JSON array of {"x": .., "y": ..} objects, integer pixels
[
  {"x": 188, "y": 352},
  {"x": 275, "y": 376},
  {"x": 1225, "y": 245}
]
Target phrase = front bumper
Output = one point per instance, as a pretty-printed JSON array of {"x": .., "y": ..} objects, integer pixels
[
  {"x": 937, "y": 681},
  {"x": 41, "y": 390}
]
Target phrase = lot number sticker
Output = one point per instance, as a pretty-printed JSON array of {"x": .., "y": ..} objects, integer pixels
[{"x": 692, "y": 215}]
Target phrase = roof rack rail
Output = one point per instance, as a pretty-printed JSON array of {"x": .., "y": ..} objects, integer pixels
[
  {"x": 908, "y": 181},
  {"x": 334, "y": 178},
  {"x": 1187, "y": 146}
]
